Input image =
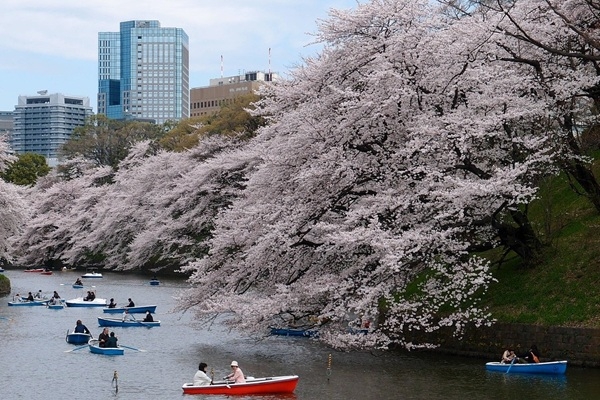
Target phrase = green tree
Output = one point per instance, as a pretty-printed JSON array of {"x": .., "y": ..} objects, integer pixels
[
  {"x": 232, "y": 119},
  {"x": 26, "y": 169},
  {"x": 106, "y": 142}
]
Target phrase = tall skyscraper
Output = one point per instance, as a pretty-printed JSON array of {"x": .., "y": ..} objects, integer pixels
[
  {"x": 45, "y": 122},
  {"x": 143, "y": 72}
]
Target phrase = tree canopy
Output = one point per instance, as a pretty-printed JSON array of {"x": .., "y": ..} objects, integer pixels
[
  {"x": 379, "y": 172},
  {"x": 26, "y": 169}
]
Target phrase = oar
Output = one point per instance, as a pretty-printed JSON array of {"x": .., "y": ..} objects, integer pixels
[
  {"x": 511, "y": 364},
  {"x": 77, "y": 348},
  {"x": 132, "y": 348}
]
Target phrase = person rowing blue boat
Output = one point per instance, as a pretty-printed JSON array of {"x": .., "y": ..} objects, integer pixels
[{"x": 81, "y": 328}]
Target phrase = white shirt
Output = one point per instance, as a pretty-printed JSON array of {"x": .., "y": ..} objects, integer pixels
[{"x": 201, "y": 379}]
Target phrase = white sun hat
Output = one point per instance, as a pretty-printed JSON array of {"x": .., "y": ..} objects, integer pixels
[{"x": 234, "y": 364}]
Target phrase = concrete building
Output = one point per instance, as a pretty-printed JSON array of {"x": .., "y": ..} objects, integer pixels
[
  {"x": 143, "y": 72},
  {"x": 6, "y": 123},
  {"x": 208, "y": 99},
  {"x": 45, "y": 122}
]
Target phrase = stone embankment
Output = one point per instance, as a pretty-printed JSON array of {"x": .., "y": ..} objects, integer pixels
[{"x": 579, "y": 346}]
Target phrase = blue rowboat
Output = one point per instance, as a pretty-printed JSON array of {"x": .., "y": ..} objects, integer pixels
[
  {"x": 132, "y": 310},
  {"x": 58, "y": 305},
  {"x": 120, "y": 322},
  {"x": 28, "y": 303},
  {"x": 294, "y": 332},
  {"x": 550, "y": 367},
  {"x": 108, "y": 351},
  {"x": 76, "y": 286},
  {"x": 78, "y": 338},
  {"x": 154, "y": 282}
]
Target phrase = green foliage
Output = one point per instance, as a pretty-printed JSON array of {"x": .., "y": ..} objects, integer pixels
[
  {"x": 26, "y": 169},
  {"x": 231, "y": 120},
  {"x": 565, "y": 288},
  {"x": 106, "y": 142}
]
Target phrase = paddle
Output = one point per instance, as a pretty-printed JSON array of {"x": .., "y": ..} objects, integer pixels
[
  {"x": 140, "y": 322},
  {"x": 132, "y": 348},
  {"x": 511, "y": 364},
  {"x": 77, "y": 348}
]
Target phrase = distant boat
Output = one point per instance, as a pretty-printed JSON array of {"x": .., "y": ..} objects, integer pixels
[
  {"x": 1, "y": 269},
  {"x": 80, "y": 302},
  {"x": 294, "y": 332},
  {"x": 268, "y": 385},
  {"x": 28, "y": 303},
  {"x": 77, "y": 338},
  {"x": 132, "y": 310},
  {"x": 154, "y": 282},
  {"x": 109, "y": 351},
  {"x": 34, "y": 270},
  {"x": 76, "y": 286},
  {"x": 120, "y": 322},
  {"x": 550, "y": 367},
  {"x": 46, "y": 273},
  {"x": 58, "y": 305},
  {"x": 92, "y": 274}
]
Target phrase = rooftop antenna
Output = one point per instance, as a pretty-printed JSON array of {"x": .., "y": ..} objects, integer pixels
[
  {"x": 43, "y": 92},
  {"x": 269, "y": 61},
  {"x": 221, "y": 66}
]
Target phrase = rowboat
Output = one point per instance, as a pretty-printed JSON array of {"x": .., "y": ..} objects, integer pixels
[
  {"x": 109, "y": 351},
  {"x": 120, "y": 322},
  {"x": 132, "y": 310},
  {"x": 294, "y": 332},
  {"x": 269, "y": 385},
  {"x": 78, "y": 338},
  {"x": 46, "y": 273},
  {"x": 28, "y": 303},
  {"x": 92, "y": 274},
  {"x": 58, "y": 305},
  {"x": 550, "y": 367},
  {"x": 34, "y": 270},
  {"x": 154, "y": 282},
  {"x": 80, "y": 302},
  {"x": 76, "y": 286}
]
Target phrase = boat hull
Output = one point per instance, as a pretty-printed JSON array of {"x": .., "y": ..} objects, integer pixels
[
  {"x": 107, "y": 351},
  {"x": 132, "y": 310},
  {"x": 78, "y": 338},
  {"x": 154, "y": 283},
  {"x": 269, "y": 385},
  {"x": 120, "y": 322},
  {"x": 28, "y": 303},
  {"x": 75, "y": 286},
  {"x": 294, "y": 332},
  {"x": 79, "y": 302},
  {"x": 92, "y": 275},
  {"x": 551, "y": 367}
]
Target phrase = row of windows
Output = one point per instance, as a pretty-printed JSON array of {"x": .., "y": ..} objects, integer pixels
[{"x": 212, "y": 103}]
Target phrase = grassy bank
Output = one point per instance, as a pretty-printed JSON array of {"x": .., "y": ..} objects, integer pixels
[{"x": 565, "y": 289}]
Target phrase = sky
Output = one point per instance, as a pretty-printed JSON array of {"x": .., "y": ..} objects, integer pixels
[{"x": 53, "y": 44}]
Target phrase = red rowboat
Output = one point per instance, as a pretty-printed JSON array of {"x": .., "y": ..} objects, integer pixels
[
  {"x": 46, "y": 273},
  {"x": 269, "y": 385}
]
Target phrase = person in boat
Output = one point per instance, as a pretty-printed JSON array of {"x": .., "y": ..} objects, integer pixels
[
  {"x": 111, "y": 341},
  {"x": 55, "y": 295},
  {"x": 508, "y": 356},
  {"x": 103, "y": 337},
  {"x": 148, "y": 317},
  {"x": 131, "y": 303},
  {"x": 81, "y": 328},
  {"x": 38, "y": 295},
  {"x": 127, "y": 316},
  {"x": 532, "y": 355},
  {"x": 112, "y": 304},
  {"x": 78, "y": 282},
  {"x": 30, "y": 297},
  {"x": 17, "y": 298},
  {"x": 201, "y": 378},
  {"x": 237, "y": 376}
]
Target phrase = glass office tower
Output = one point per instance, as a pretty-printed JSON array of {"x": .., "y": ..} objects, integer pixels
[{"x": 143, "y": 72}]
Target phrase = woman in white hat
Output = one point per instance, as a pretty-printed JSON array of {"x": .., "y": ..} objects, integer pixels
[{"x": 237, "y": 376}]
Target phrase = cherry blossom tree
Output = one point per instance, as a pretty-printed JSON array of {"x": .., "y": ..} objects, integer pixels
[
  {"x": 13, "y": 209},
  {"x": 407, "y": 144}
]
